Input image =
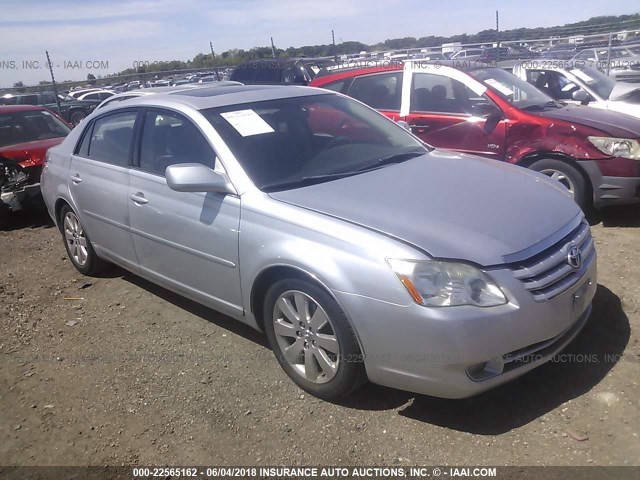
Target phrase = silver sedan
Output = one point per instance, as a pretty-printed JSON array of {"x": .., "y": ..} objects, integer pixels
[{"x": 361, "y": 252}]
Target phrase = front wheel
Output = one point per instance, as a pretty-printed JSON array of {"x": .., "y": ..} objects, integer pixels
[
  {"x": 568, "y": 176},
  {"x": 312, "y": 339}
]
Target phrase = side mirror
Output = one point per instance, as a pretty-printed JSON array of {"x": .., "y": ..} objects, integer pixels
[
  {"x": 581, "y": 96},
  {"x": 195, "y": 177}
]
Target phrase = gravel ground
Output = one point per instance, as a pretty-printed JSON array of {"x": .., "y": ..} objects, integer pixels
[{"x": 114, "y": 370}]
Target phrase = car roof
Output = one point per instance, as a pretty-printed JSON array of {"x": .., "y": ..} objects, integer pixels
[
  {"x": 209, "y": 97},
  {"x": 20, "y": 108}
]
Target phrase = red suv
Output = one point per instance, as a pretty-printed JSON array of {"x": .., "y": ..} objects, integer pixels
[{"x": 473, "y": 108}]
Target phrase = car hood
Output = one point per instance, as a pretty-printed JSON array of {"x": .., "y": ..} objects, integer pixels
[
  {"x": 612, "y": 123},
  {"x": 29, "y": 154},
  {"x": 449, "y": 205},
  {"x": 625, "y": 92}
]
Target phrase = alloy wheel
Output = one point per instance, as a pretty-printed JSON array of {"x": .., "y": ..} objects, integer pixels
[
  {"x": 561, "y": 177},
  {"x": 76, "y": 239},
  {"x": 306, "y": 337}
]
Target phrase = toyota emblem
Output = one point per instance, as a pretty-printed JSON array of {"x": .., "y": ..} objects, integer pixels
[{"x": 574, "y": 257}]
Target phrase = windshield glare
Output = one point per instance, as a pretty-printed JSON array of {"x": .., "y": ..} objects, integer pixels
[
  {"x": 30, "y": 126},
  {"x": 290, "y": 140},
  {"x": 517, "y": 92},
  {"x": 595, "y": 80}
]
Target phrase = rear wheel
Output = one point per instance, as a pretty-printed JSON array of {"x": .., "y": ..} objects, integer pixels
[
  {"x": 568, "y": 176},
  {"x": 77, "y": 244},
  {"x": 312, "y": 339}
]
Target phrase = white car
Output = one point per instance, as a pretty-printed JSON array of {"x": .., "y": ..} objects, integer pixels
[
  {"x": 119, "y": 97},
  {"x": 584, "y": 84}
]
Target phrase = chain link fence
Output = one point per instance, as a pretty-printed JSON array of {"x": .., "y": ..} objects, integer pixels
[{"x": 617, "y": 53}]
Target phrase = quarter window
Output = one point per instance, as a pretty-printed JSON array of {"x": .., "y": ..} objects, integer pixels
[
  {"x": 382, "y": 91},
  {"x": 436, "y": 93},
  {"x": 111, "y": 138},
  {"x": 168, "y": 139}
]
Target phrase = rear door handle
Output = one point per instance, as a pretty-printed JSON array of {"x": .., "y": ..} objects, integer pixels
[
  {"x": 139, "y": 199},
  {"x": 76, "y": 178}
]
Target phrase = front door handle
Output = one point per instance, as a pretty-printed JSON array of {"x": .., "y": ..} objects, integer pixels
[
  {"x": 139, "y": 199},
  {"x": 76, "y": 178}
]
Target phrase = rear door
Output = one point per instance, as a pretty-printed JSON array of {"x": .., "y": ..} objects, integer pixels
[
  {"x": 185, "y": 241},
  {"x": 99, "y": 184},
  {"x": 448, "y": 109}
]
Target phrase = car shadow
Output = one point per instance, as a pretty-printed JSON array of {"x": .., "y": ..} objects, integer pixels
[
  {"x": 572, "y": 373},
  {"x": 208, "y": 314},
  {"x": 622, "y": 216},
  {"x": 580, "y": 367},
  {"x": 31, "y": 217}
]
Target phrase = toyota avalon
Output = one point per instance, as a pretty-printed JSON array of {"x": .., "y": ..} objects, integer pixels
[{"x": 361, "y": 252}]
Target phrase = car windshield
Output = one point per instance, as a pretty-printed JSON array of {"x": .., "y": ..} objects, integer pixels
[
  {"x": 616, "y": 53},
  {"x": 292, "y": 142},
  {"x": 595, "y": 80},
  {"x": 30, "y": 126},
  {"x": 511, "y": 88}
]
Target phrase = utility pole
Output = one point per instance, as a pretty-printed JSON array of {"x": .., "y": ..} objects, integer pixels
[
  {"x": 497, "y": 29},
  {"x": 213, "y": 59},
  {"x": 335, "y": 51},
  {"x": 273, "y": 49},
  {"x": 53, "y": 81}
]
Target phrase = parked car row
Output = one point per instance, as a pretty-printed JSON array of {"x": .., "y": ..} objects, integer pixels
[{"x": 73, "y": 110}]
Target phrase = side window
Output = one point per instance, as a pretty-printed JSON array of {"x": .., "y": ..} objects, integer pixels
[
  {"x": 169, "y": 138},
  {"x": 382, "y": 91},
  {"x": 586, "y": 55},
  {"x": 48, "y": 98},
  {"x": 82, "y": 150},
  {"x": 111, "y": 138},
  {"x": 337, "y": 86},
  {"x": 29, "y": 100},
  {"x": 436, "y": 93}
]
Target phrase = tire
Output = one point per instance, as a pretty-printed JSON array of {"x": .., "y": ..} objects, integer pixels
[
  {"x": 319, "y": 352},
  {"x": 76, "y": 117},
  {"x": 77, "y": 243},
  {"x": 569, "y": 176}
]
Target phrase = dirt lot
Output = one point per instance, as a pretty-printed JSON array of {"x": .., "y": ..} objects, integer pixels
[{"x": 115, "y": 370}]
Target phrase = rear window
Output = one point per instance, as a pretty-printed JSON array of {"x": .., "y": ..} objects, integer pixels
[{"x": 22, "y": 127}]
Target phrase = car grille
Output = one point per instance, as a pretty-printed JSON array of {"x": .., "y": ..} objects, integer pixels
[{"x": 548, "y": 274}]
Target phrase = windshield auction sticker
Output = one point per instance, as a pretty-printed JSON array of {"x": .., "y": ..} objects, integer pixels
[{"x": 247, "y": 122}]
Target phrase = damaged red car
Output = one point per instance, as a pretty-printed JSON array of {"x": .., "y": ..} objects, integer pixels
[{"x": 26, "y": 133}]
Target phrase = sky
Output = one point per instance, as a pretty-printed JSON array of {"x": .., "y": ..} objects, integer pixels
[{"x": 116, "y": 34}]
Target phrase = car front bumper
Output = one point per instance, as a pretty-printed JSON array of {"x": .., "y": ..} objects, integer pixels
[
  {"x": 457, "y": 352},
  {"x": 612, "y": 190}
]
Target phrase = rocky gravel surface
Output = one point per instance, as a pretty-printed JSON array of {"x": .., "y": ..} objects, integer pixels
[{"x": 114, "y": 370}]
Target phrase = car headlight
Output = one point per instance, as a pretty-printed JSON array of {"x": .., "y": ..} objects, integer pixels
[
  {"x": 446, "y": 284},
  {"x": 617, "y": 147}
]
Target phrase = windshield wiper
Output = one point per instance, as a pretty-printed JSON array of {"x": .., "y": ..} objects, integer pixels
[
  {"x": 393, "y": 158},
  {"x": 305, "y": 181},
  {"x": 537, "y": 106},
  {"x": 314, "y": 179}
]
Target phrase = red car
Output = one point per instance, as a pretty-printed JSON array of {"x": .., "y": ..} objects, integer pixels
[
  {"x": 26, "y": 133},
  {"x": 472, "y": 108}
]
